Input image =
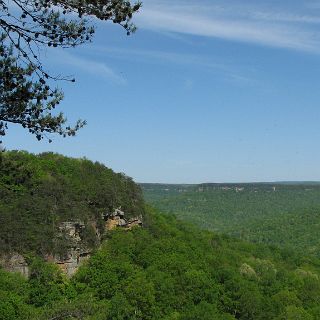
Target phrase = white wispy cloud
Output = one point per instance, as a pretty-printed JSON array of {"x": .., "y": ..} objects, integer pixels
[
  {"x": 244, "y": 23},
  {"x": 97, "y": 69},
  {"x": 157, "y": 55},
  {"x": 209, "y": 63}
]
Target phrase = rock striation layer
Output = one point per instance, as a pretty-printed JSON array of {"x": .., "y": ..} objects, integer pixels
[{"x": 75, "y": 250}]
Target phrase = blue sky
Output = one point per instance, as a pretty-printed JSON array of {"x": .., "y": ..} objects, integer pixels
[{"x": 205, "y": 91}]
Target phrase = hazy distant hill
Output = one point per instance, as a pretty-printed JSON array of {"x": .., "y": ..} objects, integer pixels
[{"x": 282, "y": 213}]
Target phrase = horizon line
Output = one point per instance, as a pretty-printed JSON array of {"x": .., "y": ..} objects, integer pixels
[{"x": 254, "y": 182}]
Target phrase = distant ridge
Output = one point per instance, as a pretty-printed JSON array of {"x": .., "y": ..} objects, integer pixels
[
  {"x": 231, "y": 183},
  {"x": 282, "y": 213}
]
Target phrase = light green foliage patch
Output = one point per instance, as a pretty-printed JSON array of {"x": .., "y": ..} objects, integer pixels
[{"x": 286, "y": 215}]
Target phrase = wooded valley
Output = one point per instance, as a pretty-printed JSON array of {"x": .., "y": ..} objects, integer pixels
[{"x": 166, "y": 269}]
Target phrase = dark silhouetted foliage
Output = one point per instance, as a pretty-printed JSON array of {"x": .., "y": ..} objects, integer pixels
[{"x": 27, "y": 27}]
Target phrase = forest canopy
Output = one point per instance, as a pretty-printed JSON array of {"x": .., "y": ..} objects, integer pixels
[
  {"x": 169, "y": 270},
  {"x": 38, "y": 192},
  {"x": 166, "y": 269},
  {"x": 286, "y": 215}
]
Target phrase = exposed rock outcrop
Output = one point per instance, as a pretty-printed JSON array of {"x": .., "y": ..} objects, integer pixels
[
  {"x": 75, "y": 251},
  {"x": 72, "y": 229},
  {"x": 117, "y": 219},
  {"x": 133, "y": 222},
  {"x": 70, "y": 263},
  {"x": 15, "y": 263}
]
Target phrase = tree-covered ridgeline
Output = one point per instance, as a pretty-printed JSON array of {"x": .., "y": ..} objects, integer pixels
[
  {"x": 169, "y": 270},
  {"x": 283, "y": 214},
  {"x": 166, "y": 269},
  {"x": 38, "y": 192}
]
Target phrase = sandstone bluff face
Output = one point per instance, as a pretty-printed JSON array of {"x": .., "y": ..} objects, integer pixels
[
  {"x": 15, "y": 263},
  {"x": 117, "y": 219},
  {"x": 76, "y": 251}
]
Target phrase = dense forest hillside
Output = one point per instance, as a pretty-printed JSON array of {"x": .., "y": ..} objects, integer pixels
[
  {"x": 285, "y": 214},
  {"x": 165, "y": 269},
  {"x": 38, "y": 193},
  {"x": 169, "y": 270}
]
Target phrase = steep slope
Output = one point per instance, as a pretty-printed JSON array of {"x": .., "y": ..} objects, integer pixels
[
  {"x": 53, "y": 206},
  {"x": 56, "y": 207},
  {"x": 169, "y": 270}
]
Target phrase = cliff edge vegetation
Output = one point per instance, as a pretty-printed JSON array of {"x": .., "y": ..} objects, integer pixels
[{"x": 43, "y": 195}]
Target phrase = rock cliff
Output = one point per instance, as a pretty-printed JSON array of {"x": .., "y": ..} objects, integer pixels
[
  {"x": 75, "y": 251},
  {"x": 15, "y": 262}
]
